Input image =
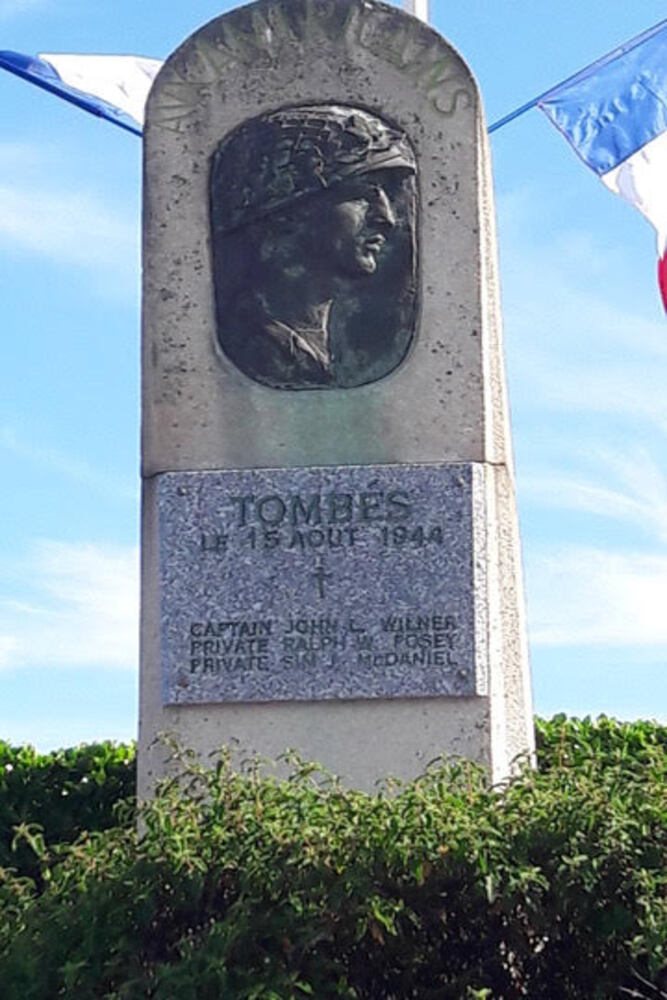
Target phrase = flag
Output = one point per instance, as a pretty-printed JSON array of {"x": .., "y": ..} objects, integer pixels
[
  {"x": 111, "y": 87},
  {"x": 614, "y": 115}
]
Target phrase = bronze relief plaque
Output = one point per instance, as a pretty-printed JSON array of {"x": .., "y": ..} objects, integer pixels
[{"x": 313, "y": 218}]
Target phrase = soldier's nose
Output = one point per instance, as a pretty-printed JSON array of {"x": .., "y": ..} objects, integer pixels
[{"x": 381, "y": 209}]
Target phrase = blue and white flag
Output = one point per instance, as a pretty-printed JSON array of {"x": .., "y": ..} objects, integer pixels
[
  {"x": 614, "y": 115},
  {"x": 111, "y": 87}
]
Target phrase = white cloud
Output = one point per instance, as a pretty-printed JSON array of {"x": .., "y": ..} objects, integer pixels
[
  {"x": 626, "y": 486},
  {"x": 75, "y": 227},
  {"x": 43, "y": 213},
  {"x": 574, "y": 346},
  {"x": 588, "y": 368},
  {"x": 72, "y": 604},
  {"x": 632, "y": 388},
  {"x": 8, "y": 646},
  {"x": 18, "y": 156},
  {"x": 68, "y": 466},
  {"x": 13, "y": 8},
  {"x": 582, "y": 596}
]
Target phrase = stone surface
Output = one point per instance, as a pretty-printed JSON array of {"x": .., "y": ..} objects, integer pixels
[
  {"x": 304, "y": 584},
  {"x": 199, "y": 410},
  {"x": 443, "y": 406},
  {"x": 362, "y": 741}
]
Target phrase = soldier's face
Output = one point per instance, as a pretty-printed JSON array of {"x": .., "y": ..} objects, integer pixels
[
  {"x": 360, "y": 216},
  {"x": 338, "y": 234}
]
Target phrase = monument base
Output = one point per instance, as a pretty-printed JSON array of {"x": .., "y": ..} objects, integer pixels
[
  {"x": 373, "y": 658},
  {"x": 360, "y": 741}
]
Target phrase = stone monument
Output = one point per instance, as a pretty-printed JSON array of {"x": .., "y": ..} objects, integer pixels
[{"x": 330, "y": 558}]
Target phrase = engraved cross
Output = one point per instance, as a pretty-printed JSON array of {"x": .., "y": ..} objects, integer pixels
[{"x": 320, "y": 576}]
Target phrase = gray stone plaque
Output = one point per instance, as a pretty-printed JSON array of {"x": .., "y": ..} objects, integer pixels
[{"x": 318, "y": 583}]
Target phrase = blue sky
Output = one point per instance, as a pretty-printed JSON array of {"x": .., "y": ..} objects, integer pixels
[{"x": 586, "y": 345}]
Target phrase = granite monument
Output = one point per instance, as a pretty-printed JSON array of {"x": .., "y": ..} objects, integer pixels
[{"x": 330, "y": 557}]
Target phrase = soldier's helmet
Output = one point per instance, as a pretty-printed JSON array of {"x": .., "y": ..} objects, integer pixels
[{"x": 275, "y": 159}]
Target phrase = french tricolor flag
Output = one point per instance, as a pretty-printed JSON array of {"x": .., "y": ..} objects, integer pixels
[
  {"x": 109, "y": 86},
  {"x": 614, "y": 115}
]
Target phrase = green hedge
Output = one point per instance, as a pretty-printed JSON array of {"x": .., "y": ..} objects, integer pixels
[
  {"x": 65, "y": 793},
  {"x": 563, "y": 741},
  {"x": 440, "y": 889}
]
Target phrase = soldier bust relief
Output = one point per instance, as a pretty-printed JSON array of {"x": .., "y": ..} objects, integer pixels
[{"x": 313, "y": 228}]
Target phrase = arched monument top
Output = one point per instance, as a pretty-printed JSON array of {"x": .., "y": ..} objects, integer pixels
[
  {"x": 430, "y": 399},
  {"x": 237, "y": 52}
]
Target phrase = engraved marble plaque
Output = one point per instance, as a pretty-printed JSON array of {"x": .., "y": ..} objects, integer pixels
[{"x": 319, "y": 583}]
